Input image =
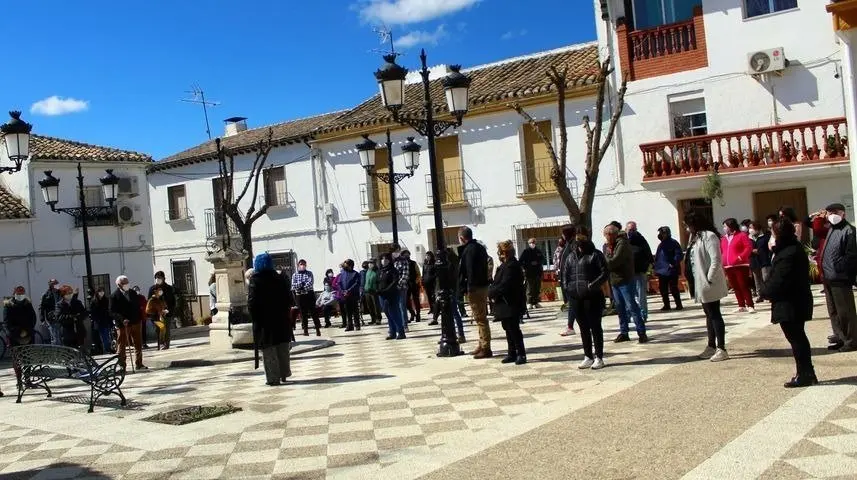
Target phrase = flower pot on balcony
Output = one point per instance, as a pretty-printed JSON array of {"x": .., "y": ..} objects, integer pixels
[
  {"x": 755, "y": 158},
  {"x": 659, "y": 170},
  {"x": 668, "y": 167}
]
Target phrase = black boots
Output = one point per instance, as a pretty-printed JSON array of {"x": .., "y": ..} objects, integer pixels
[{"x": 800, "y": 381}]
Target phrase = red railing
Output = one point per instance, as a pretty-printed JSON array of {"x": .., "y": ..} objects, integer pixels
[
  {"x": 663, "y": 40},
  {"x": 817, "y": 140}
]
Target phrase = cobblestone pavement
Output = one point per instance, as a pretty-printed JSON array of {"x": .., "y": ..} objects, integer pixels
[{"x": 370, "y": 408}]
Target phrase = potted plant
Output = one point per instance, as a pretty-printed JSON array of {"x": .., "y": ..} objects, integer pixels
[
  {"x": 755, "y": 158},
  {"x": 648, "y": 168},
  {"x": 712, "y": 188}
]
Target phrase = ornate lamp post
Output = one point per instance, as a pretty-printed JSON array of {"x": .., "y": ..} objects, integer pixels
[
  {"x": 366, "y": 149},
  {"x": 391, "y": 82},
  {"x": 50, "y": 190},
  {"x": 16, "y": 136}
]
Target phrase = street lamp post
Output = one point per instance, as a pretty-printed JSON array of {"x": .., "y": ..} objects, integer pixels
[
  {"x": 16, "y": 136},
  {"x": 391, "y": 82},
  {"x": 366, "y": 149},
  {"x": 50, "y": 190}
]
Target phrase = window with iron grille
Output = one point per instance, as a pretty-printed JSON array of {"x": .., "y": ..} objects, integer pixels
[
  {"x": 94, "y": 197},
  {"x": 285, "y": 261},
  {"x": 102, "y": 280},
  {"x": 275, "y": 186},
  {"x": 184, "y": 277}
]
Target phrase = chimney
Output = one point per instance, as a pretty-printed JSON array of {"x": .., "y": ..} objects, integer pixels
[{"x": 235, "y": 125}]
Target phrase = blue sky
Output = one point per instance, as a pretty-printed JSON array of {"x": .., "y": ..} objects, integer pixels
[{"x": 113, "y": 73}]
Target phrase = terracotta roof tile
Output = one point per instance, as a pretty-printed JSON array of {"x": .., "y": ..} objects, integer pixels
[
  {"x": 293, "y": 131},
  {"x": 11, "y": 206},
  {"x": 505, "y": 81},
  {"x": 50, "y": 148}
]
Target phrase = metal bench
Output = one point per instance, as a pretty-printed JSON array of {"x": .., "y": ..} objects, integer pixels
[{"x": 36, "y": 365}]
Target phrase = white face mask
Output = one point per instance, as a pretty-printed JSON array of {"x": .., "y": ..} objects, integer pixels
[
  {"x": 20, "y": 298},
  {"x": 159, "y": 281},
  {"x": 125, "y": 287},
  {"x": 834, "y": 219},
  {"x": 726, "y": 231},
  {"x": 752, "y": 233},
  {"x": 770, "y": 224},
  {"x": 532, "y": 245},
  {"x": 744, "y": 229}
]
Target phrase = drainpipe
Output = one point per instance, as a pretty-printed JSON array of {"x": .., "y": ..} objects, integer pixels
[{"x": 618, "y": 150}]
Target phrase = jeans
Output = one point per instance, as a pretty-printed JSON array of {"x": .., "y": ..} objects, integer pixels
[
  {"x": 106, "y": 339},
  {"x": 715, "y": 325},
  {"x": 306, "y": 304},
  {"x": 795, "y": 334},
  {"x": 392, "y": 307},
  {"x": 55, "y": 329},
  {"x": 626, "y": 306},
  {"x": 459, "y": 324},
  {"x": 642, "y": 282},
  {"x": 589, "y": 319},
  {"x": 403, "y": 303}
]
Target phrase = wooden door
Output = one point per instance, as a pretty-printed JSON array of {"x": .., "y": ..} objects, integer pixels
[
  {"x": 449, "y": 174},
  {"x": 767, "y": 203},
  {"x": 380, "y": 190},
  {"x": 538, "y": 160},
  {"x": 450, "y": 237},
  {"x": 699, "y": 205}
]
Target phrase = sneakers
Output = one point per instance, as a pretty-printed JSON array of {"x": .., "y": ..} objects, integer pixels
[
  {"x": 566, "y": 332},
  {"x": 622, "y": 337},
  {"x": 707, "y": 353},
  {"x": 720, "y": 355},
  {"x": 586, "y": 363},
  {"x": 598, "y": 364},
  {"x": 740, "y": 310},
  {"x": 751, "y": 310}
]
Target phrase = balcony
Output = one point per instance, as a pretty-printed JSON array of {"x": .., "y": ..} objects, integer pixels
[
  {"x": 533, "y": 182},
  {"x": 456, "y": 190},
  {"x": 177, "y": 215},
  {"x": 663, "y": 50},
  {"x": 217, "y": 227},
  {"x": 375, "y": 205},
  {"x": 276, "y": 201},
  {"x": 788, "y": 147},
  {"x": 97, "y": 217}
]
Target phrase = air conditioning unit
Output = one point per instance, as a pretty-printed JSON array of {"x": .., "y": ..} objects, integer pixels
[
  {"x": 128, "y": 187},
  {"x": 766, "y": 61},
  {"x": 128, "y": 213}
]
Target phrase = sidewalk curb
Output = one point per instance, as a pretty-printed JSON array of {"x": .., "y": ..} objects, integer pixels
[{"x": 190, "y": 363}]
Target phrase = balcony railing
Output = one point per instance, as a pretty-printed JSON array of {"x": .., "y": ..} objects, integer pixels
[
  {"x": 177, "y": 215},
  {"x": 769, "y": 147},
  {"x": 455, "y": 188},
  {"x": 372, "y": 204},
  {"x": 102, "y": 218},
  {"x": 535, "y": 180},
  {"x": 664, "y": 49},
  {"x": 276, "y": 200},
  {"x": 216, "y": 226}
]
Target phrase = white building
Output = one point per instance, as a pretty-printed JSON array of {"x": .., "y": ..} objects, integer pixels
[
  {"x": 689, "y": 77},
  {"x": 39, "y": 244}
]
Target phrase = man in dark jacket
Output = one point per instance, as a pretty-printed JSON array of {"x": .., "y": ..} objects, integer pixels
[
  {"x": 643, "y": 260},
  {"x": 533, "y": 260},
  {"x": 568, "y": 234},
  {"x": 20, "y": 317},
  {"x": 839, "y": 264},
  {"x": 125, "y": 310},
  {"x": 169, "y": 297},
  {"x": 620, "y": 262},
  {"x": 269, "y": 311},
  {"x": 413, "y": 287},
  {"x": 668, "y": 268},
  {"x": 349, "y": 285},
  {"x": 473, "y": 279},
  {"x": 47, "y": 307}
]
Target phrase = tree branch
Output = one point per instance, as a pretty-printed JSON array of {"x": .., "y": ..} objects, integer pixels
[
  {"x": 614, "y": 117},
  {"x": 595, "y": 142},
  {"x": 535, "y": 126}
]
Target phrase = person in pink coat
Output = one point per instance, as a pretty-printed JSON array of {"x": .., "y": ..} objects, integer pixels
[{"x": 736, "y": 248}]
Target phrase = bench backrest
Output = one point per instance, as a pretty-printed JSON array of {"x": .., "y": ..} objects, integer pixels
[{"x": 51, "y": 355}]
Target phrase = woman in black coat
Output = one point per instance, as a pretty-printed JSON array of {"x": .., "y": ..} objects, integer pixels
[
  {"x": 583, "y": 275},
  {"x": 20, "y": 317},
  {"x": 508, "y": 294},
  {"x": 788, "y": 289},
  {"x": 269, "y": 311},
  {"x": 429, "y": 279}
]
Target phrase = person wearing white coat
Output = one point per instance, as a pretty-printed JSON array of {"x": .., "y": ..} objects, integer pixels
[{"x": 710, "y": 281}]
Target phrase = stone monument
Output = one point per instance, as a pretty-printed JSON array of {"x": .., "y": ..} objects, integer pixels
[{"x": 231, "y": 303}]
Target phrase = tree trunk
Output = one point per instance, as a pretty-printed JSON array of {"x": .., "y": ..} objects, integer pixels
[{"x": 247, "y": 245}]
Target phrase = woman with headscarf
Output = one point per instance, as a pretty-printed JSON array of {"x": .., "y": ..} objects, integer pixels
[
  {"x": 509, "y": 296},
  {"x": 269, "y": 314}
]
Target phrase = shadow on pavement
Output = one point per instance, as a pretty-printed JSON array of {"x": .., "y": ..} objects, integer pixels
[
  {"x": 58, "y": 470},
  {"x": 840, "y": 381},
  {"x": 345, "y": 379},
  {"x": 781, "y": 353},
  {"x": 576, "y": 357},
  {"x": 317, "y": 357},
  {"x": 653, "y": 361}
]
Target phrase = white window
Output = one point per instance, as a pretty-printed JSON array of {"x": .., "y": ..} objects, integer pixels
[
  {"x": 754, "y": 8},
  {"x": 689, "y": 118},
  {"x": 652, "y": 13},
  {"x": 275, "y": 186},
  {"x": 177, "y": 198},
  {"x": 94, "y": 197}
]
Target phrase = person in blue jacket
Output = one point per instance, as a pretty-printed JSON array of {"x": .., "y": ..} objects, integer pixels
[{"x": 667, "y": 268}]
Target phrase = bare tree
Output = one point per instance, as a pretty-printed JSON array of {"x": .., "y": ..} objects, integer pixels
[
  {"x": 229, "y": 209},
  {"x": 580, "y": 213}
]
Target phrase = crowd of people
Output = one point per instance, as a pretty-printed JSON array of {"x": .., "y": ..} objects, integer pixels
[{"x": 758, "y": 261}]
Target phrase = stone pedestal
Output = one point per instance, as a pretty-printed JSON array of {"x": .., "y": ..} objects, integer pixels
[{"x": 231, "y": 297}]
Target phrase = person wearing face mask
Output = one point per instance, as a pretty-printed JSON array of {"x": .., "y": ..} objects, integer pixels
[
  {"x": 839, "y": 263},
  {"x": 760, "y": 259},
  {"x": 20, "y": 317},
  {"x": 47, "y": 307},
  {"x": 584, "y": 273},
  {"x": 705, "y": 266},
  {"x": 99, "y": 312},
  {"x": 735, "y": 249},
  {"x": 533, "y": 261},
  {"x": 125, "y": 310},
  {"x": 156, "y": 308},
  {"x": 389, "y": 291},
  {"x": 303, "y": 283},
  {"x": 69, "y": 315},
  {"x": 327, "y": 300},
  {"x": 620, "y": 263},
  {"x": 667, "y": 267},
  {"x": 169, "y": 297},
  {"x": 507, "y": 292},
  {"x": 370, "y": 292},
  {"x": 349, "y": 286}
]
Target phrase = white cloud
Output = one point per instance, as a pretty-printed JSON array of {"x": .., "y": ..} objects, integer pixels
[
  {"x": 420, "y": 37},
  {"x": 56, "y": 105},
  {"x": 513, "y": 34},
  {"x": 402, "y": 12}
]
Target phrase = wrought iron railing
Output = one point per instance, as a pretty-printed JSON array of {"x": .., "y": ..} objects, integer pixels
[
  {"x": 774, "y": 146},
  {"x": 454, "y": 187},
  {"x": 663, "y": 40},
  {"x": 276, "y": 200},
  {"x": 218, "y": 226},
  {"x": 177, "y": 214},
  {"x": 374, "y": 202},
  {"x": 97, "y": 217},
  {"x": 533, "y": 179}
]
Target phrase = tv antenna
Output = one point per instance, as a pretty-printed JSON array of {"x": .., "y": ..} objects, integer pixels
[
  {"x": 385, "y": 35},
  {"x": 198, "y": 97}
]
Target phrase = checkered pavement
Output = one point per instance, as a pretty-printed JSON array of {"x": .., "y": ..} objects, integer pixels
[{"x": 352, "y": 410}]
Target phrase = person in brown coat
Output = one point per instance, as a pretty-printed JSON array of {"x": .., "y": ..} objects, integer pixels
[{"x": 156, "y": 310}]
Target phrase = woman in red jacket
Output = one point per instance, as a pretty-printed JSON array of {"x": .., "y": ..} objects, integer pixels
[{"x": 736, "y": 248}]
